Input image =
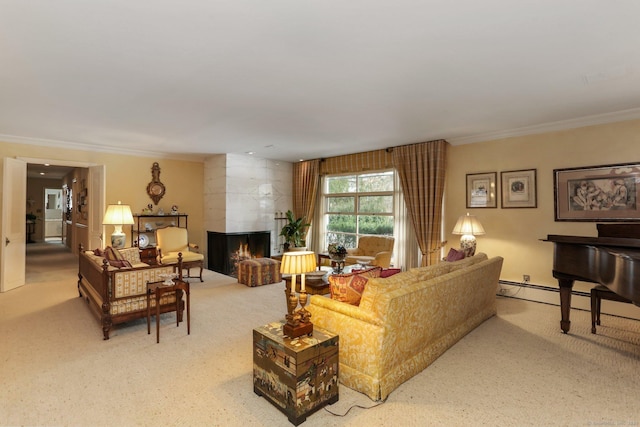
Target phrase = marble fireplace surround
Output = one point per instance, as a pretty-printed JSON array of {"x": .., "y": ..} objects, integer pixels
[{"x": 243, "y": 194}]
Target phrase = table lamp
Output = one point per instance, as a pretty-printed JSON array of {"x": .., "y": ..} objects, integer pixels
[
  {"x": 118, "y": 215},
  {"x": 469, "y": 227},
  {"x": 298, "y": 319}
]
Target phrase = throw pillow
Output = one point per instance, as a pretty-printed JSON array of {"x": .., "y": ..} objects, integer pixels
[
  {"x": 388, "y": 272},
  {"x": 349, "y": 287},
  {"x": 112, "y": 254},
  {"x": 454, "y": 255},
  {"x": 98, "y": 252},
  {"x": 115, "y": 258}
]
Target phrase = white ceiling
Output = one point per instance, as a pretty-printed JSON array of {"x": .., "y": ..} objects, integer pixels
[{"x": 291, "y": 79}]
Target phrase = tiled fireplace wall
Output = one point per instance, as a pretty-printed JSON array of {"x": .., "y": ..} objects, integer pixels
[{"x": 243, "y": 194}]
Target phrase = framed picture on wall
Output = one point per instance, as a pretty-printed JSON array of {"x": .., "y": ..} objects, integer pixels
[
  {"x": 519, "y": 189},
  {"x": 606, "y": 193},
  {"x": 481, "y": 190}
]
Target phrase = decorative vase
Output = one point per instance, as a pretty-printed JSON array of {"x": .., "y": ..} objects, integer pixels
[{"x": 337, "y": 263}]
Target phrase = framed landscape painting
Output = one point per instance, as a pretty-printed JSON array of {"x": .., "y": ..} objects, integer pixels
[
  {"x": 519, "y": 189},
  {"x": 606, "y": 193},
  {"x": 481, "y": 190}
]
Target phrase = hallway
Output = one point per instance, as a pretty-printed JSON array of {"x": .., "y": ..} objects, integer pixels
[{"x": 49, "y": 261}]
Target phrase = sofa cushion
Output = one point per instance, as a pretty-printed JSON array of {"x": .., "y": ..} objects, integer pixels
[
  {"x": 378, "y": 286},
  {"x": 467, "y": 262},
  {"x": 131, "y": 254},
  {"x": 431, "y": 271},
  {"x": 349, "y": 287}
]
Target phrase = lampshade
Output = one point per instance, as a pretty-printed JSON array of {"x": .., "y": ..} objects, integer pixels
[
  {"x": 468, "y": 224},
  {"x": 118, "y": 215},
  {"x": 298, "y": 262}
]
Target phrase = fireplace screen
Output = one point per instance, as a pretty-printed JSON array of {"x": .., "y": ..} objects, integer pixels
[{"x": 226, "y": 250}]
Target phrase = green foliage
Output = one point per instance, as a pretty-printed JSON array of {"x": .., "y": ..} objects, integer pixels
[
  {"x": 294, "y": 230},
  {"x": 377, "y": 225}
]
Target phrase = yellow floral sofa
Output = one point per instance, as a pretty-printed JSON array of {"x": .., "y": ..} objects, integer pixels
[
  {"x": 406, "y": 321},
  {"x": 117, "y": 295}
]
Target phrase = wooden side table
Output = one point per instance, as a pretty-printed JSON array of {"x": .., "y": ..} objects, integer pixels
[
  {"x": 149, "y": 255},
  {"x": 159, "y": 289},
  {"x": 298, "y": 376}
]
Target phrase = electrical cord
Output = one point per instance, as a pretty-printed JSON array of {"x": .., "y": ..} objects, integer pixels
[
  {"x": 355, "y": 406},
  {"x": 504, "y": 291}
]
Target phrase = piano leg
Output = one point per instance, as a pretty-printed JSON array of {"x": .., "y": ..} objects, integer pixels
[{"x": 566, "y": 285}]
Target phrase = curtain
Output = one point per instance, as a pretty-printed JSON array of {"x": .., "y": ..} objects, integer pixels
[
  {"x": 358, "y": 162},
  {"x": 421, "y": 168},
  {"x": 305, "y": 187},
  {"x": 406, "y": 250}
]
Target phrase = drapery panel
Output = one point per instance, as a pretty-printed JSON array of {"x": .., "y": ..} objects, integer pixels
[
  {"x": 306, "y": 176},
  {"x": 421, "y": 168}
]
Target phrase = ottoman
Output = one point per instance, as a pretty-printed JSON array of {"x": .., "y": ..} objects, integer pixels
[{"x": 259, "y": 271}]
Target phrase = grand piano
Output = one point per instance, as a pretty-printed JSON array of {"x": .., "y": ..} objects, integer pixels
[{"x": 612, "y": 259}]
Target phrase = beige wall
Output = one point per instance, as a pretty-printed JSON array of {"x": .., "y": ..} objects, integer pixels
[
  {"x": 127, "y": 178},
  {"x": 515, "y": 233}
]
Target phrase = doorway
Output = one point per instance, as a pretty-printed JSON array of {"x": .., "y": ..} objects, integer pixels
[
  {"x": 52, "y": 225},
  {"x": 95, "y": 183}
]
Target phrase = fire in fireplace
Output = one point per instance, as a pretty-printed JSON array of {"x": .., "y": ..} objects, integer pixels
[{"x": 226, "y": 250}]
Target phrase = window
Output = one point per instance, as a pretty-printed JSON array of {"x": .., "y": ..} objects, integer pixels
[{"x": 358, "y": 204}]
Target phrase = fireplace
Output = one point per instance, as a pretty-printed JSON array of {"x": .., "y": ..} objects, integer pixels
[{"x": 226, "y": 250}]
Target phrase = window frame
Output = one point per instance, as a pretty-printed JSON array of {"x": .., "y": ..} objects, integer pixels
[{"x": 356, "y": 195}]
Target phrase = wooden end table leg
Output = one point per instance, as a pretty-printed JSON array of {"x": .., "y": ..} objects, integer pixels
[
  {"x": 178, "y": 299},
  {"x": 158, "y": 294},
  {"x": 148, "y": 311},
  {"x": 188, "y": 310}
]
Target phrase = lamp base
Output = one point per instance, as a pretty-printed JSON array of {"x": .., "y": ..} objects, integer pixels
[
  {"x": 118, "y": 240},
  {"x": 295, "y": 331},
  {"x": 468, "y": 245}
]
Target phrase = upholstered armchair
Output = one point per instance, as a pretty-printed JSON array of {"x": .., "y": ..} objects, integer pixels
[
  {"x": 375, "y": 249},
  {"x": 172, "y": 241}
]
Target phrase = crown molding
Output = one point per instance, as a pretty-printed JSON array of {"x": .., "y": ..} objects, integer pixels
[
  {"x": 597, "y": 119},
  {"x": 100, "y": 148}
]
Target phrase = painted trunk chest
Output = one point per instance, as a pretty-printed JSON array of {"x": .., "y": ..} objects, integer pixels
[{"x": 298, "y": 376}]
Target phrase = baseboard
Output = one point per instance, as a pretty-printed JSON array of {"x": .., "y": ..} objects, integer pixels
[{"x": 579, "y": 300}]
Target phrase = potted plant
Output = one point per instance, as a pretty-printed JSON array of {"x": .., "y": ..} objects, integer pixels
[
  {"x": 337, "y": 252},
  {"x": 293, "y": 231}
]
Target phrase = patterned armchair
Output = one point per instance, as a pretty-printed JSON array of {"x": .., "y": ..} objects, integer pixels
[
  {"x": 375, "y": 249},
  {"x": 171, "y": 242}
]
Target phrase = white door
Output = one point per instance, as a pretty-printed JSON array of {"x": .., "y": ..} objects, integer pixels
[
  {"x": 14, "y": 200},
  {"x": 96, "y": 208}
]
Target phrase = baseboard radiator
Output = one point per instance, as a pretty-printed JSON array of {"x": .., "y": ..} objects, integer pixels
[{"x": 549, "y": 295}]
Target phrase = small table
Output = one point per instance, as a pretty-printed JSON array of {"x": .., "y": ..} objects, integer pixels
[
  {"x": 316, "y": 283},
  {"x": 298, "y": 376},
  {"x": 159, "y": 289}
]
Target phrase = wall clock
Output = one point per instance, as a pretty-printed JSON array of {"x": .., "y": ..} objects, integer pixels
[{"x": 155, "y": 189}]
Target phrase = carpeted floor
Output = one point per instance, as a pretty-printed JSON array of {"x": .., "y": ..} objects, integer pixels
[{"x": 515, "y": 369}]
